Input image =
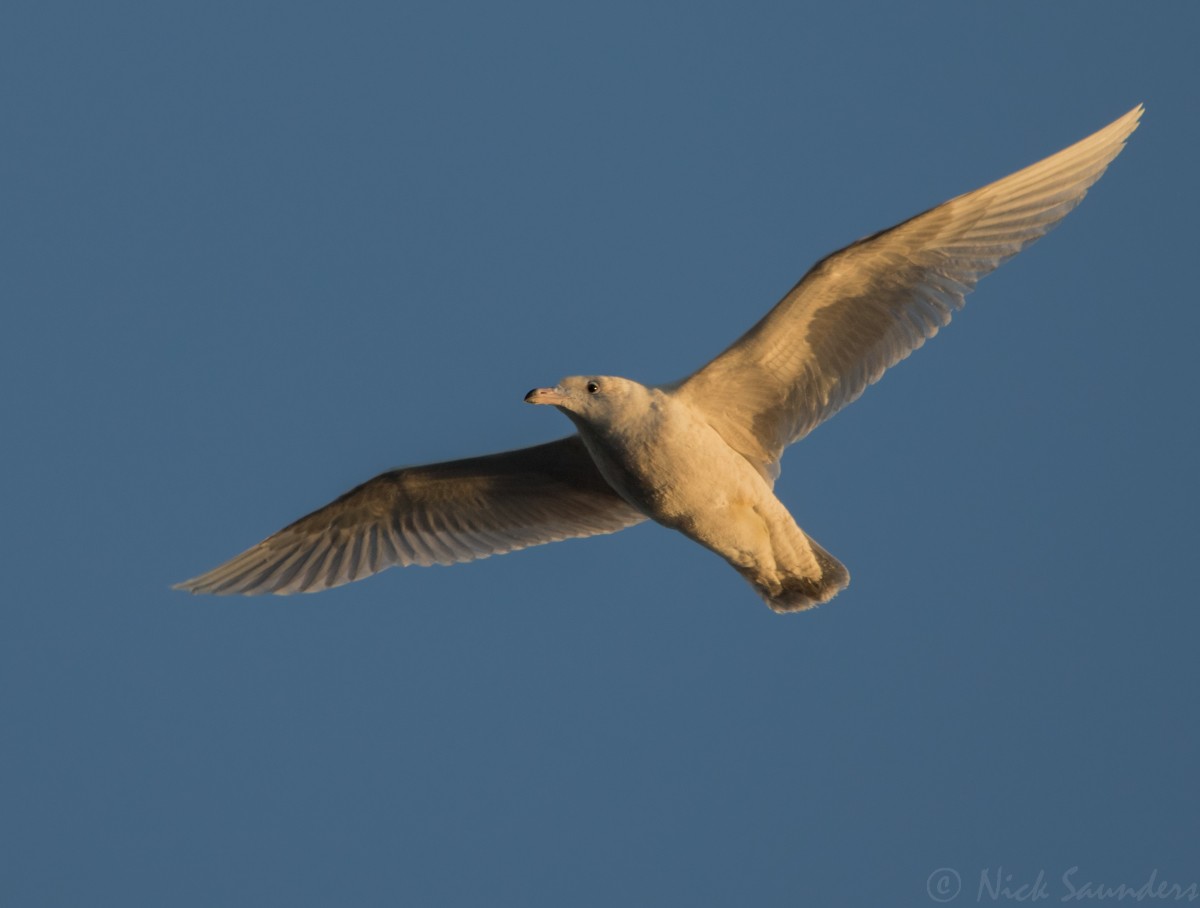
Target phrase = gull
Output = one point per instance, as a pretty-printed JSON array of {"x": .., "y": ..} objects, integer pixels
[{"x": 699, "y": 455}]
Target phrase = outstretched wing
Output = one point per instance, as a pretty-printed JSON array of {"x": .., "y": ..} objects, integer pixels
[
  {"x": 864, "y": 308},
  {"x": 435, "y": 514}
]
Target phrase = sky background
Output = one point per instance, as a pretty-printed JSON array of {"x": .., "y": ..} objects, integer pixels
[{"x": 254, "y": 253}]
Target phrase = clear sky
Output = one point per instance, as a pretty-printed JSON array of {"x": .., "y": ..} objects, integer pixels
[{"x": 253, "y": 254}]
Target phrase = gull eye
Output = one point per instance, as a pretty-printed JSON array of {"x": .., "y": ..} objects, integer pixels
[{"x": 592, "y": 387}]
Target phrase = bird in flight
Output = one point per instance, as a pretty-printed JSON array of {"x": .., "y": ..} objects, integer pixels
[{"x": 699, "y": 455}]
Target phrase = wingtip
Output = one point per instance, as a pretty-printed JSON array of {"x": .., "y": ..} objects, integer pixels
[
  {"x": 1131, "y": 120},
  {"x": 1125, "y": 126}
]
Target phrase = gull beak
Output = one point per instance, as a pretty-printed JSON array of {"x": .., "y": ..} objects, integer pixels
[{"x": 545, "y": 396}]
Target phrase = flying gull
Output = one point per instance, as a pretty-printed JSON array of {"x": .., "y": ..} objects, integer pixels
[{"x": 700, "y": 455}]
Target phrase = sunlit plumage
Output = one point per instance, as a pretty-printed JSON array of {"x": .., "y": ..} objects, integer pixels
[{"x": 699, "y": 455}]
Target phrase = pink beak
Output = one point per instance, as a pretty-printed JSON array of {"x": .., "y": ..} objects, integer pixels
[{"x": 545, "y": 396}]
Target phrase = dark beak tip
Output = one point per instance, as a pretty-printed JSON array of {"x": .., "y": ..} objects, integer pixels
[{"x": 529, "y": 396}]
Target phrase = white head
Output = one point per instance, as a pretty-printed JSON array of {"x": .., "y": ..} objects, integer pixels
[{"x": 599, "y": 401}]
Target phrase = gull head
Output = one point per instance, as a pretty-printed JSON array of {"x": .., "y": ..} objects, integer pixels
[{"x": 593, "y": 399}]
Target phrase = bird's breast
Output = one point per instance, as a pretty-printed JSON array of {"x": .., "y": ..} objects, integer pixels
[{"x": 671, "y": 467}]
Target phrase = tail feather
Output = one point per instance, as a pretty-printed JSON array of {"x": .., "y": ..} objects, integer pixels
[{"x": 796, "y": 593}]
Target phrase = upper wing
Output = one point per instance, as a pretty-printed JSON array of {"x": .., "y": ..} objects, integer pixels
[
  {"x": 866, "y": 307},
  {"x": 436, "y": 514}
]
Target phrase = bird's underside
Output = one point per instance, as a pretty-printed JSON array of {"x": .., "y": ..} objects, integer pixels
[{"x": 699, "y": 455}]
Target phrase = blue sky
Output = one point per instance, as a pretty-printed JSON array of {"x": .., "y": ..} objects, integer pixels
[{"x": 256, "y": 253}]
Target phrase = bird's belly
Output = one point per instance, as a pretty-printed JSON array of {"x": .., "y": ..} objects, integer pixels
[{"x": 678, "y": 478}]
